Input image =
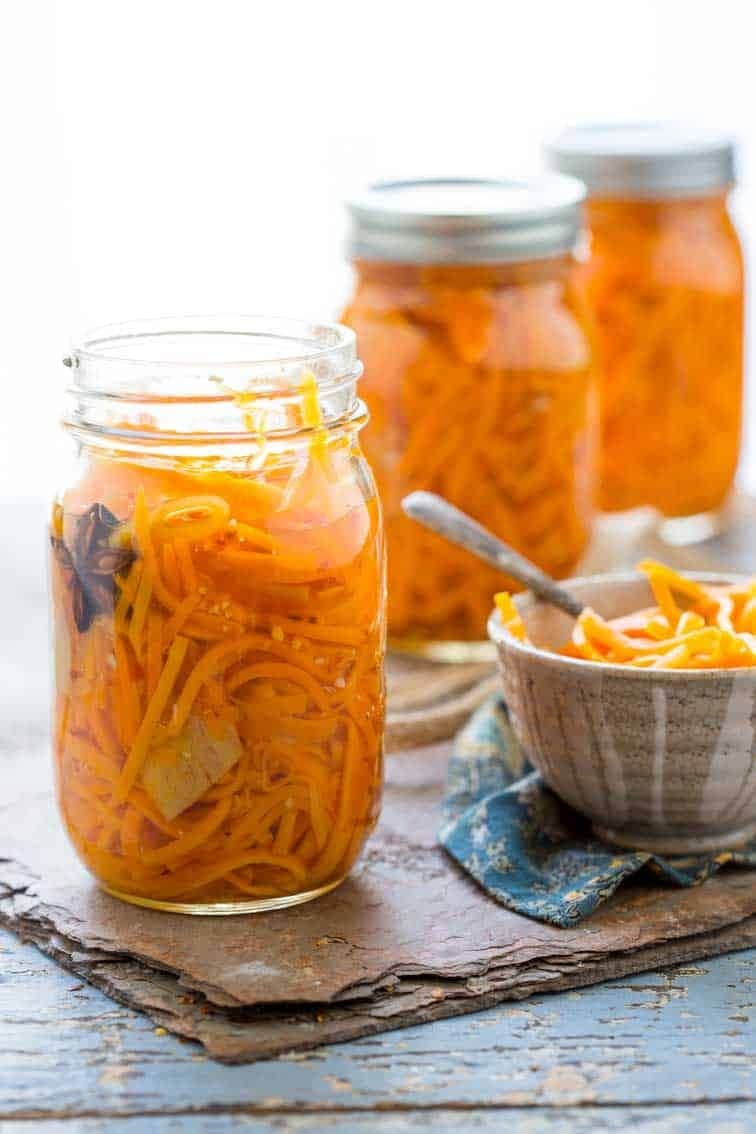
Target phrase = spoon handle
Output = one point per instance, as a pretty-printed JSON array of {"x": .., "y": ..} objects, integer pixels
[{"x": 443, "y": 518}]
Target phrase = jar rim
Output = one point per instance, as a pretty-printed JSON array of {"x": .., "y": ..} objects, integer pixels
[
  {"x": 198, "y": 378},
  {"x": 261, "y": 345}
]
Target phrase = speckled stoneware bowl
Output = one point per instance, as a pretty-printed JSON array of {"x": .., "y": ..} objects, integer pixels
[{"x": 663, "y": 761}]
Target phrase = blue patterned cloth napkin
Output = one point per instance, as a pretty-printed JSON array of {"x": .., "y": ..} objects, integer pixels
[{"x": 528, "y": 849}]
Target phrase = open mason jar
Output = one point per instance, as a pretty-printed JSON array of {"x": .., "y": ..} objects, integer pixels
[
  {"x": 479, "y": 383},
  {"x": 664, "y": 283},
  {"x": 218, "y": 592}
]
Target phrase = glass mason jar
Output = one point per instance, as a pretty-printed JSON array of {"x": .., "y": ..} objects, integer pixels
[
  {"x": 479, "y": 384},
  {"x": 664, "y": 283},
  {"x": 218, "y": 595}
]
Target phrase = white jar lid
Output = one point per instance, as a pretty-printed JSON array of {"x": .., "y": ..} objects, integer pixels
[
  {"x": 645, "y": 160},
  {"x": 465, "y": 220}
]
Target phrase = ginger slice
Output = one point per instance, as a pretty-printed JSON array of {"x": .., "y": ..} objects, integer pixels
[{"x": 178, "y": 772}]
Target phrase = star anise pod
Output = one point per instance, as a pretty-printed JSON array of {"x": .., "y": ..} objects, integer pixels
[{"x": 91, "y": 563}]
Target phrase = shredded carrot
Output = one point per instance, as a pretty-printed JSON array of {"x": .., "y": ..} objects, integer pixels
[
  {"x": 219, "y": 738},
  {"x": 186, "y": 566},
  {"x": 185, "y": 844},
  {"x": 139, "y": 613},
  {"x": 155, "y": 709},
  {"x": 664, "y": 283},
  {"x": 154, "y": 650},
  {"x": 125, "y": 694},
  {"x": 193, "y": 518},
  {"x": 510, "y": 615},
  {"x": 713, "y": 632},
  {"x": 479, "y": 385},
  {"x": 183, "y": 611}
]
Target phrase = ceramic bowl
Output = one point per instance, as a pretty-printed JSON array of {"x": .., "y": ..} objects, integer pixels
[{"x": 661, "y": 761}]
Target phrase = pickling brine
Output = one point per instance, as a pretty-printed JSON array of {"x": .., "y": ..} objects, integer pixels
[{"x": 219, "y": 640}]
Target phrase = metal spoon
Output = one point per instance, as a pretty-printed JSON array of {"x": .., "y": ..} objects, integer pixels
[{"x": 443, "y": 518}]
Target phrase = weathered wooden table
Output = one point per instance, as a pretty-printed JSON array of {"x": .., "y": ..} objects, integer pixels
[{"x": 666, "y": 1051}]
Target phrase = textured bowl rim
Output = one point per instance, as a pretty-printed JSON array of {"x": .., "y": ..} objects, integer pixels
[{"x": 501, "y": 637}]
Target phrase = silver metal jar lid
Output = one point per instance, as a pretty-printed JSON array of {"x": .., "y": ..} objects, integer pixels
[
  {"x": 465, "y": 220},
  {"x": 653, "y": 160}
]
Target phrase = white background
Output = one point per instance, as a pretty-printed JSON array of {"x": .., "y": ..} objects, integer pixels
[{"x": 170, "y": 156}]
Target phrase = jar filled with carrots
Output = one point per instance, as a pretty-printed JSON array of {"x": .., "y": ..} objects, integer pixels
[
  {"x": 664, "y": 284},
  {"x": 478, "y": 378},
  {"x": 218, "y": 591}
]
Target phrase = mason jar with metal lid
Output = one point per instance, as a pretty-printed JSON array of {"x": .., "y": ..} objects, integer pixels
[
  {"x": 664, "y": 283},
  {"x": 479, "y": 382}
]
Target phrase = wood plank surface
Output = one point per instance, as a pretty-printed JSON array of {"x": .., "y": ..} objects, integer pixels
[{"x": 639, "y": 1050}]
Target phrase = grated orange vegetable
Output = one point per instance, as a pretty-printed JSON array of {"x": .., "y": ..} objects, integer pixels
[
  {"x": 240, "y": 661},
  {"x": 694, "y": 626},
  {"x": 479, "y": 385},
  {"x": 664, "y": 283}
]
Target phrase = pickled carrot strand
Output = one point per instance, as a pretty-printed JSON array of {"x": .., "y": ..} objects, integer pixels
[
  {"x": 186, "y": 566},
  {"x": 170, "y": 569},
  {"x": 194, "y": 878},
  {"x": 117, "y": 870},
  {"x": 96, "y": 807},
  {"x": 247, "y": 533},
  {"x": 268, "y": 566},
  {"x": 748, "y": 615},
  {"x": 343, "y": 825},
  {"x": 155, "y": 709},
  {"x": 126, "y": 697},
  {"x": 139, "y": 800},
  {"x": 229, "y": 785},
  {"x": 723, "y": 616},
  {"x": 312, "y": 415},
  {"x": 677, "y": 582},
  {"x": 250, "y": 889},
  {"x": 285, "y": 832},
  {"x": 687, "y": 622},
  {"x": 282, "y": 671},
  {"x": 265, "y": 698},
  {"x": 144, "y": 541},
  {"x": 320, "y": 632},
  {"x": 139, "y": 615},
  {"x": 130, "y": 829},
  {"x": 270, "y": 725},
  {"x": 251, "y": 827},
  {"x": 154, "y": 650},
  {"x": 246, "y": 492},
  {"x": 93, "y": 758},
  {"x": 202, "y": 633},
  {"x": 510, "y": 616},
  {"x": 663, "y": 595},
  {"x": 319, "y": 818},
  {"x": 128, "y": 585},
  {"x": 177, "y": 621},
  {"x": 190, "y": 518},
  {"x": 194, "y": 837},
  {"x": 217, "y": 658}
]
